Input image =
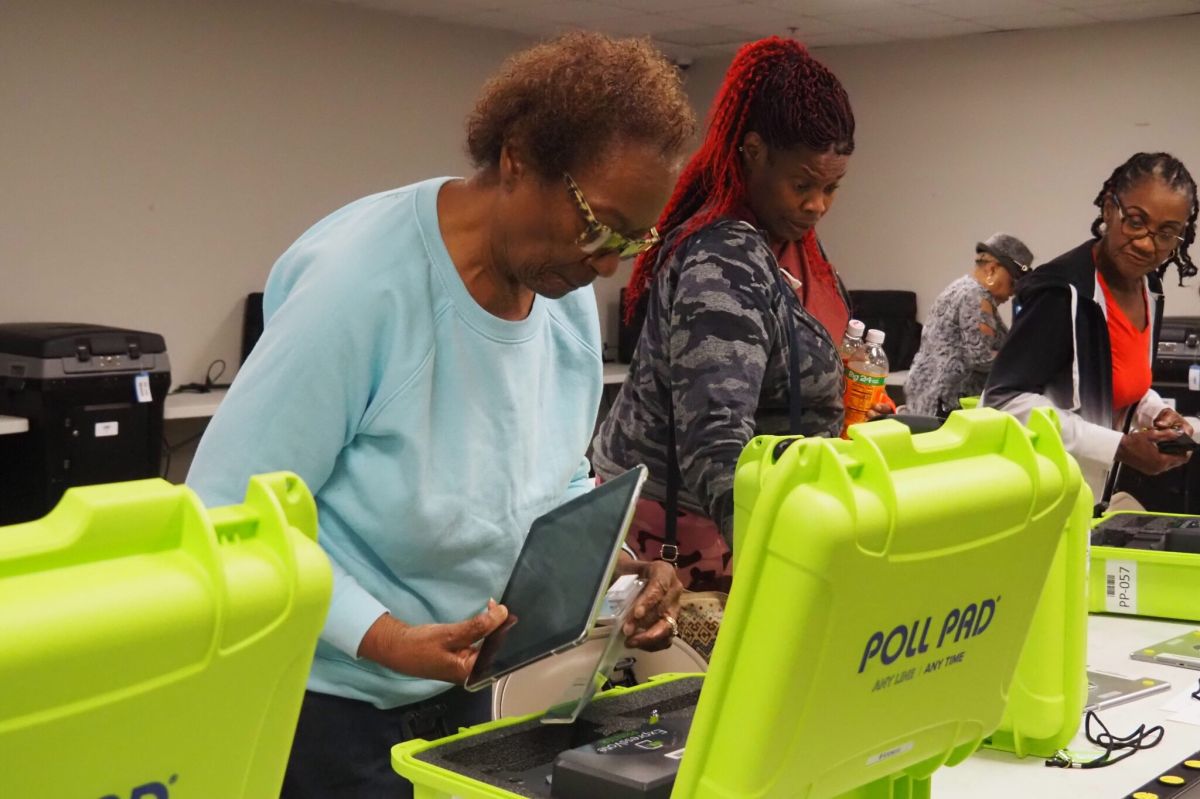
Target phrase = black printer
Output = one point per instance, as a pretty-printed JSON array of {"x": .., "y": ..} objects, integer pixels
[
  {"x": 93, "y": 396},
  {"x": 1178, "y": 349}
]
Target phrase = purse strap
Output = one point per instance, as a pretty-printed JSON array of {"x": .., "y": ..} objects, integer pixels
[{"x": 670, "y": 546}]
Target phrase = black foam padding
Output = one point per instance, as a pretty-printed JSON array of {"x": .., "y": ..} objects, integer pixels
[
  {"x": 518, "y": 758},
  {"x": 1179, "y": 534}
]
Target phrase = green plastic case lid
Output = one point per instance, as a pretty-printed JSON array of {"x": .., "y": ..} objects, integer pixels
[
  {"x": 152, "y": 646},
  {"x": 884, "y": 589},
  {"x": 1050, "y": 688}
]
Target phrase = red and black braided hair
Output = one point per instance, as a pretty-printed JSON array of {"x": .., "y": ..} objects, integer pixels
[{"x": 776, "y": 89}]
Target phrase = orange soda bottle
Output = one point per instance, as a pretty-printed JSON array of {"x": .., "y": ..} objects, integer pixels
[{"x": 866, "y": 374}]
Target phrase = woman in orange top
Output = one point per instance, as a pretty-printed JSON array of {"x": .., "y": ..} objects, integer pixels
[{"x": 1083, "y": 337}]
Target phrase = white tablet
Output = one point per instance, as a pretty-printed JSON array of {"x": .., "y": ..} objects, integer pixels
[{"x": 1182, "y": 650}]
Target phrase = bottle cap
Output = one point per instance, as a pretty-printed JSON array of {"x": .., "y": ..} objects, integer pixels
[
  {"x": 855, "y": 328},
  {"x": 875, "y": 336}
]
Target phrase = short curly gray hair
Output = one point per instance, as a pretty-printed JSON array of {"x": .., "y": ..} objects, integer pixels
[{"x": 563, "y": 101}]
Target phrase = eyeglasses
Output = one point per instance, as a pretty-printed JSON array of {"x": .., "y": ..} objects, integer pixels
[
  {"x": 1136, "y": 228},
  {"x": 597, "y": 238}
]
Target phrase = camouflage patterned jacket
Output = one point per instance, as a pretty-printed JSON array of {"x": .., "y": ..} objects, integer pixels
[{"x": 715, "y": 344}]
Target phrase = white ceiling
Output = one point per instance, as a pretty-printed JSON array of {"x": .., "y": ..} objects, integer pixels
[{"x": 694, "y": 28}]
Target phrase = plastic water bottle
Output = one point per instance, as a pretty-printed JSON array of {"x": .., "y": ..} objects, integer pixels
[
  {"x": 866, "y": 374},
  {"x": 852, "y": 342}
]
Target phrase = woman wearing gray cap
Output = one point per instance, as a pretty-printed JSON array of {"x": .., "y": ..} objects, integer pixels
[
  {"x": 963, "y": 332},
  {"x": 1084, "y": 335}
]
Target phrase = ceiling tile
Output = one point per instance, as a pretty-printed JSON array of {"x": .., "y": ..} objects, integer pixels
[
  {"x": 940, "y": 30},
  {"x": 665, "y": 6},
  {"x": 631, "y": 24},
  {"x": 576, "y": 12},
  {"x": 419, "y": 8},
  {"x": 739, "y": 14},
  {"x": 817, "y": 8},
  {"x": 802, "y": 29},
  {"x": 884, "y": 18},
  {"x": 496, "y": 20},
  {"x": 968, "y": 9},
  {"x": 519, "y": 6},
  {"x": 718, "y": 49},
  {"x": 763, "y": 21},
  {"x": 1144, "y": 10},
  {"x": 1054, "y": 18},
  {"x": 849, "y": 37},
  {"x": 707, "y": 35},
  {"x": 701, "y": 25}
]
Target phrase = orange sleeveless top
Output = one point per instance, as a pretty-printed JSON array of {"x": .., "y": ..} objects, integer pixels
[{"x": 1131, "y": 370}]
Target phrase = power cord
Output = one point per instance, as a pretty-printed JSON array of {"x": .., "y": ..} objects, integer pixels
[
  {"x": 210, "y": 380},
  {"x": 169, "y": 449},
  {"x": 1139, "y": 739},
  {"x": 210, "y": 384}
]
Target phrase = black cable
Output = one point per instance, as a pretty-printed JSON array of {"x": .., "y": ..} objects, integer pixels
[
  {"x": 169, "y": 449},
  {"x": 210, "y": 380},
  {"x": 1127, "y": 745},
  {"x": 1196, "y": 693}
]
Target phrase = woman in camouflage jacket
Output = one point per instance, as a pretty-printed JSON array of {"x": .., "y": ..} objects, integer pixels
[{"x": 739, "y": 304}]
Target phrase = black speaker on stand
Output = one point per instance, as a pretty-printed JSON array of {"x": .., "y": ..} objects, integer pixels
[{"x": 252, "y": 323}]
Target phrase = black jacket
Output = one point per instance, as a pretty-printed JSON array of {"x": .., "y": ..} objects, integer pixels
[{"x": 1059, "y": 350}]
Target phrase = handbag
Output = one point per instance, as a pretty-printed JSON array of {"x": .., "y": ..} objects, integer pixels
[{"x": 699, "y": 621}]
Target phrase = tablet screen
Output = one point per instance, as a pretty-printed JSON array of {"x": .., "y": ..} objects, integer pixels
[{"x": 560, "y": 577}]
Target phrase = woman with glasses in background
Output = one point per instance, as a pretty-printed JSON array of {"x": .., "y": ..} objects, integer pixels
[
  {"x": 743, "y": 310},
  {"x": 430, "y": 366},
  {"x": 1084, "y": 338}
]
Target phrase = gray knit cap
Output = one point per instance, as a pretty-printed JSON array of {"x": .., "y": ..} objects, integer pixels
[{"x": 1010, "y": 251}]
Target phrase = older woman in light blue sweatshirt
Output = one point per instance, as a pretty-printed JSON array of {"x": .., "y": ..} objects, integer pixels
[{"x": 430, "y": 366}]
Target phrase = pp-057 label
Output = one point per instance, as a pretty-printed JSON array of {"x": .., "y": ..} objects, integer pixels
[{"x": 1120, "y": 589}]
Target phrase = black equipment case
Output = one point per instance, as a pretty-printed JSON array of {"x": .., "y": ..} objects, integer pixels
[{"x": 93, "y": 396}]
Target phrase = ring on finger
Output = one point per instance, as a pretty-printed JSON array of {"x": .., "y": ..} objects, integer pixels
[{"x": 674, "y": 625}]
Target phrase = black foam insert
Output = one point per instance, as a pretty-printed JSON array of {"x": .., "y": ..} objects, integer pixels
[
  {"x": 1150, "y": 531},
  {"x": 519, "y": 758}
]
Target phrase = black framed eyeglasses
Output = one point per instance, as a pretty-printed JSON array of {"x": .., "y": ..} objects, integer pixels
[
  {"x": 1136, "y": 228},
  {"x": 597, "y": 238}
]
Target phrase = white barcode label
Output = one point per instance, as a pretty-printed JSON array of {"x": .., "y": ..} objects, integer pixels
[
  {"x": 1120, "y": 589},
  {"x": 888, "y": 754},
  {"x": 1194, "y": 377},
  {"x": 107, "y": 429},
  {"x": 141, "y": 388}
]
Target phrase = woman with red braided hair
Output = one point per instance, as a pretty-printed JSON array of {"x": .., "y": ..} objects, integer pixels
[{"x": 742, "y": 307}]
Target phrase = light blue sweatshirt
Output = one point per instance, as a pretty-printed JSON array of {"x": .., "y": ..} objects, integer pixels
[{"x": 431, "y": 432}]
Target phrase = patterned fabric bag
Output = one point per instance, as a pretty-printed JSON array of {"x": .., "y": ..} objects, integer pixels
[{"x": 700, "y": 614}]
